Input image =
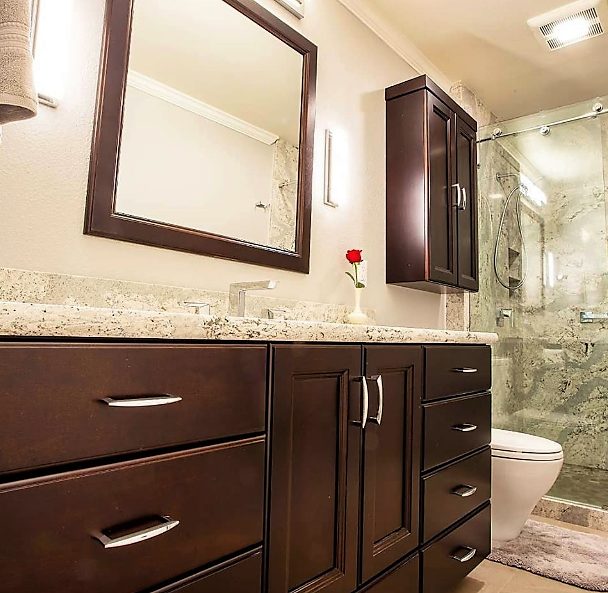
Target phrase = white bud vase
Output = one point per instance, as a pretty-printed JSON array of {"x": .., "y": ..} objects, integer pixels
[{"x": 357, "y": 317}]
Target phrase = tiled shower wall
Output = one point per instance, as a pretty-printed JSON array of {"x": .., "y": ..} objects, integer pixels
[{"x": 550, "y": 371}]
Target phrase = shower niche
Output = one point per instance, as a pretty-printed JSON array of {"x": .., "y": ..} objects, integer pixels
[{"x": 431, "y": 190}]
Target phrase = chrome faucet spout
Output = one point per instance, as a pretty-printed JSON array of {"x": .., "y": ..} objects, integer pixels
[{"x": 238, "y": 294}]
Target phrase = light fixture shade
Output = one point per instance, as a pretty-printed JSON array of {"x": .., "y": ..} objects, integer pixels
[{"x": 570, "y": 24}]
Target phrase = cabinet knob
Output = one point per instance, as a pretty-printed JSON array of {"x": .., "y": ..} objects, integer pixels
[
  {"x": 106, "y": 539},
  {"x": 464, "y": 554},
  {"x": 458, "y": 189},
  {"x": 377, "y": 419},
  {"x": 464, "y": 427},
  {"x": 364, "y": 402},
  {"x": 141, "y": 402},
  {"x": 464, "y": 491}
]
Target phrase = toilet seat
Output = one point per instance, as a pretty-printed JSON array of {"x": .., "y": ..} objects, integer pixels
[{"x": 507, "y": 444}]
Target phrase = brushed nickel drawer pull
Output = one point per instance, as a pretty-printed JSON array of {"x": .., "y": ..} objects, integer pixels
[
  {"x": 465, "y": 427},
  {"x": 464, "y": 491},
  {"x": 139, "y": 536},
  {"x": 142, "y": 402},
  {"x": 378, "y": 418},
  {"x": 465, "y": 370},
  {"x": 464, "y": 554},
  {"x": 364, "y": 403}
]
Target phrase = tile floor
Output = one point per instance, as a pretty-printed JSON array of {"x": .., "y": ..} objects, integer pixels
[{"x": 490, "y": 577}]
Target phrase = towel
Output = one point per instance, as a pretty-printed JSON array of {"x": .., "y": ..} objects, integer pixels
[{"x": 18, "y": 99}]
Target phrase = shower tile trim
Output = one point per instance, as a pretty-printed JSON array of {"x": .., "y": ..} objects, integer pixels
[{"x": 573, "y": 513}]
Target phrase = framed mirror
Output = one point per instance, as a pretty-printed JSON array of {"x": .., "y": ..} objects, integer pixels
[{"x": 203, "y": 137}]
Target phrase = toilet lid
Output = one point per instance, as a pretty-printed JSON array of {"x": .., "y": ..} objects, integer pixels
[{"x": 517, "y": 445}]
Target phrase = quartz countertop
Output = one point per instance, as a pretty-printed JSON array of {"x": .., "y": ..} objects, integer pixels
[{"x": 40, "y": 320}]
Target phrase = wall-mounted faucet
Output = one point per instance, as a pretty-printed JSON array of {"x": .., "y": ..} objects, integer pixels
[
  {"x": 502, "y": 315},
  {"x": 238, "y": 294}
]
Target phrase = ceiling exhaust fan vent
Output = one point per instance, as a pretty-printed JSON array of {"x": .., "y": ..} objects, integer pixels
[{"x": 570, "y": 24}]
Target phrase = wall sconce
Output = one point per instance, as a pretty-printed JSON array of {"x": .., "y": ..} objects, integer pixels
[
  {"x": 328, "y": 197},
  {"x": 51, "y": 23},
  {"x": 296, "y": 7}
]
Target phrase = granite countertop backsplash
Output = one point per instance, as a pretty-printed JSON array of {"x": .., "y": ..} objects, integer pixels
[{"x": 34, "y": 304}]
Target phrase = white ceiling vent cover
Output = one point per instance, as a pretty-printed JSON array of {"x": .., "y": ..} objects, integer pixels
[{"x": 571, "y": 23}]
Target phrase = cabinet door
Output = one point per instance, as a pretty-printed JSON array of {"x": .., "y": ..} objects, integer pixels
[
  {"x": 442, "y": 232},
  {"x": 391, "y": 459},
  {"x": 314, "y": 480},
  {"x": 466, "y": 166}
]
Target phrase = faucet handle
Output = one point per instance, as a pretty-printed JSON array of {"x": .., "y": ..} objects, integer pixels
[
  {"x": 205, "y": 307},
  {"x": 278, "y": 313}
]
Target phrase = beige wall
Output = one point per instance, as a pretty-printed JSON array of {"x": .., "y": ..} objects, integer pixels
[{"x": 44, "y": 167}]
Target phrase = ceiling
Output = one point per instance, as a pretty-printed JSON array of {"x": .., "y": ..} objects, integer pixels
[
  {"x": 489, "y": 46},
  {"x": 210, "y": 51}
]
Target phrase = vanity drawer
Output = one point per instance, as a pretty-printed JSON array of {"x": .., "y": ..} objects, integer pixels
[
  {"x": 455, "y": 427},
  {"x": 243, "y": 575},
  {"x": 216, "y": 493},
  {"x": 455, "y": 370},
  {"x": 53, "y": 409},
  {"x": 470, "y": 543},
  {"x": 455, "y": 491}
]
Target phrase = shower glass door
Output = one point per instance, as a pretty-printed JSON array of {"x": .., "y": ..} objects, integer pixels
[{"x": 551, "y": 363}]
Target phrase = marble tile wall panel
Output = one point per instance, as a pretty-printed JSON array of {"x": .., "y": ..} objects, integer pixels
[{"x": 58, "y": 289}]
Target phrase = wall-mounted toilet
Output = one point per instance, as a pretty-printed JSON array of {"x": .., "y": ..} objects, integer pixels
[{"x": 524, "y": 467}]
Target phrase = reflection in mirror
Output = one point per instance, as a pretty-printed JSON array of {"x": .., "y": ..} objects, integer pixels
[{"x": 211, "y": 124}]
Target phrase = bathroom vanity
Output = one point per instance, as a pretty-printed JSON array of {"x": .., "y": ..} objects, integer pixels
[{"x": 244, "y": 465}]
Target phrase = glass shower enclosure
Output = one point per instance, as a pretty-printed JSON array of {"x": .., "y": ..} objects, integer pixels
[{"x": 544, "y": 284}]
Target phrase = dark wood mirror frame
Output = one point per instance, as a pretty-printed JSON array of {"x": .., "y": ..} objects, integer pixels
[{"x": 101, "y": 220}]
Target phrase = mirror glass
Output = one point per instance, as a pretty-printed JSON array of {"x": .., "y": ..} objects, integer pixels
[{"x": 211, "y": 125}]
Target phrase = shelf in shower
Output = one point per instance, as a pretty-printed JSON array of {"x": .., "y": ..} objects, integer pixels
[
  {"x": 514, "y": 255},
  {"x": 513, "y": 282}
]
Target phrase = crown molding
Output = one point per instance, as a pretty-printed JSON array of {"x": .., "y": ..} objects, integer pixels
[
  {"x": 170, "y": 95},
  {"x": 397, "y": 42}
]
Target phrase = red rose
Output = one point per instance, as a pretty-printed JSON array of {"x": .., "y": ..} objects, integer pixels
[{"x": 354, "y": 256}]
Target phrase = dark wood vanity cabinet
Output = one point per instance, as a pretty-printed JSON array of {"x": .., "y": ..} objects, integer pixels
[
  {"x": 431, "y": 189},
  {"x": 391, "y": 460},
  {"x": 314, "y": 473},
  {"x": 243, "y": 468}
]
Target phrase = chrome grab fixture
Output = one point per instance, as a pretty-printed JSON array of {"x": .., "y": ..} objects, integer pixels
[
  {"x": 465, "y": 370},
  {"x": 238, "y": 294},
  {"x": 377, "y": 419},
  {"x": 139, "y": 536},
  {"x": 142, "y": 402},
  {"x": 461, "y": 196},
  {"x": 464, "y": 491},
  {"x": 464, "y": 554},
  {"x": 464, "y": 427},
  {"x": 590, "y": 317},
  {"x": 198, "y": 307}
]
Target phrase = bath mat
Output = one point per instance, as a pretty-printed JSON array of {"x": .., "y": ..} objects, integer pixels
[{"x": 572, "y": 557}]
